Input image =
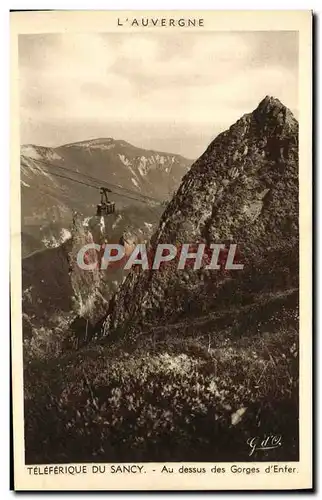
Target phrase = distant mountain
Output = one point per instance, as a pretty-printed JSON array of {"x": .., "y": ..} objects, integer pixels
[
  {"x": 53, "y": 289},
  {"x": 48, "y": 199}
]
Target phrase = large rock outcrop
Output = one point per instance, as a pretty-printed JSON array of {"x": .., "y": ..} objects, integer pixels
[{"x": 243, "y": 190}]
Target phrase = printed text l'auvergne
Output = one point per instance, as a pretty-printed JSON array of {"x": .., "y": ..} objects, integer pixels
[{"x": 161, "y": 22}]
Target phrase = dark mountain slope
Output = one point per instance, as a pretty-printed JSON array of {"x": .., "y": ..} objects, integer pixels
[{"x": 243, "y": 190}]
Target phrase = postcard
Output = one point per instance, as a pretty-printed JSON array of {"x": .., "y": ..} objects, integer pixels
[{"x": 161, "y": 235}]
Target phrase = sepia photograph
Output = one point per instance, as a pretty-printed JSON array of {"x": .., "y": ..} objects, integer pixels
[{"x": 159, "y": 247}]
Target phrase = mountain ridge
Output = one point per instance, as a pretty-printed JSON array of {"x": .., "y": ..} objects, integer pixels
[
  {"x": 50, "y": 172},
  {"x": 244, "y": 190}
]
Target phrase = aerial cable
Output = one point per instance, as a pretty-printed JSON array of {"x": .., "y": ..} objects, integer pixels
[{"x": 114, "y": 186}]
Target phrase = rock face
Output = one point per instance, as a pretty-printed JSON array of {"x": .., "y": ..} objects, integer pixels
[
  {"x": 242, "y": 190},
  {"x": 54, "y": 287}
]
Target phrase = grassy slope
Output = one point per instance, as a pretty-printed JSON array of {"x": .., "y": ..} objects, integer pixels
[{"x": 171, "y": 396}]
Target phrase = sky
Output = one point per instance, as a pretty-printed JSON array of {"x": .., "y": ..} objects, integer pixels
[{"x": 171, "y": 93}]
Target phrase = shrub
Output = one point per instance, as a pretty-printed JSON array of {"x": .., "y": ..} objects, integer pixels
[{"x": 100, "y": 404}]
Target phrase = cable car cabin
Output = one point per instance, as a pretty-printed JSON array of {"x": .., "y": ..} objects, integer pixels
[{"x": 106, "y": 207}]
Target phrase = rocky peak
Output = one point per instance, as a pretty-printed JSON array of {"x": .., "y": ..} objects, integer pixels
[
  {"x": 243, "y": 190},
  {"x": 271, "y": 106},
  {"x": 246, "y": 161},
  {"x": 275, "y": 117}
]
